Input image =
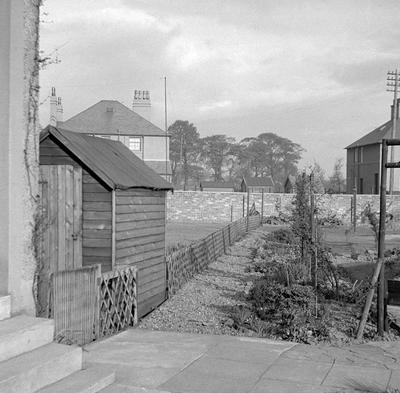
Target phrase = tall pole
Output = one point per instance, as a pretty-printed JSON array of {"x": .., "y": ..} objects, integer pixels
[
  {"x": 381, "y": 240},
  {"x": 392, "y": 86},
  {"x": 166, "y": 127}
]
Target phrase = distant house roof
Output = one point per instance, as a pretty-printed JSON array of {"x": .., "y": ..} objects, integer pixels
[
  {"x": 111, "y": 161},
  {"x": 216, "y": 184},
  {"x": 111, "y": 117},
  {"x": 375, "y": 136},
  {"x": 259, "y": 181}
]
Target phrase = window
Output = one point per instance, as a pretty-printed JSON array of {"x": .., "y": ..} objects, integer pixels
[
  {"x": 135, "y": 144},
  {"x": 361, "y": 188}
]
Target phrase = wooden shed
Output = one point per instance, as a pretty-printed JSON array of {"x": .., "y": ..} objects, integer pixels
[{"x": 102, "y": 205}]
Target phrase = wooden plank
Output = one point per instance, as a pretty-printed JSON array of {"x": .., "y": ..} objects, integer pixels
[
  {"x": 140, "y": 240},
  {"x": 126, "y": 226},
  {"x": 150, "y": 303},
  {"x": 97, "y": 224},
  {"x": 93, "y": 260},
  {"x": 123, "y": 209},
  {"x": 55, "y": 160},
  {"x": 61, "y": 216},
  {"x": 97, "y": 206},
  {"x": 96, "y": 196},
  {"x": 113, "y": 228},
  {"x": 133, "y": 259},
  {"x": 97, "y": 215},
  {"x": 97, "y": 242},
  {"x": 69, "y": 217},
  {"x": 53, "y": 218},
  {"x": 96, "y": 252},
  {"x": 96, "y": 234},
  {"x": 151, "y": 288},
  {"x": 139, "y": 192},
  {"x": 140, "y": 216},
  {"x": 94, "y": 187},
  {"x": 146, "y": 277},
  {"x": 139, "y": 200},
  {"x": 140, "y": 232},
  {"x": 124, "y": 252},
  {"x": 78, "y": 217}
]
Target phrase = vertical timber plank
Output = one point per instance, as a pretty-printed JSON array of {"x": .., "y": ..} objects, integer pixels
[
  {"x": 113, "y": 208},
  {"x": 77, "y": 217},
  {"x": 69, "y": 217},
  {"x": 53, "y": 218},
  {"x": 61, "y": 216}
]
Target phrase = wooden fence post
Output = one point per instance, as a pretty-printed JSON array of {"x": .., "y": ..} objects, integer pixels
[
  {"x": 231, "y": 213},
  {"x": 243, "y": 206}
]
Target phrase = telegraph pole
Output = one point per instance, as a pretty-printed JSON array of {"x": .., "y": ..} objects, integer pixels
[{"x": 392, "y": 84}]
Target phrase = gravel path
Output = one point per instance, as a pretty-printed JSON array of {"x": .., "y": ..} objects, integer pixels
[{"x": 204, "y": 304}]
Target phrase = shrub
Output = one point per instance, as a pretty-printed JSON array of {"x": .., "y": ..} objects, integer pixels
[
  {"x": 291, "y": 308},
  {"x": 283, "y": 235}
]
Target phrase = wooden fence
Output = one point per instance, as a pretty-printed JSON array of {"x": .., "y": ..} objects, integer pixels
[
  {"x": 187, "y": 261},
  {"x": 87, "y": 305}
]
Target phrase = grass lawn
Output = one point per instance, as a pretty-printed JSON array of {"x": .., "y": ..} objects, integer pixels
[{"x": 185, "y": 233}]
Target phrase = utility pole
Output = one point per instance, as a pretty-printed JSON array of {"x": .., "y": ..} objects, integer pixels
[{"x": 392, "y": 84}]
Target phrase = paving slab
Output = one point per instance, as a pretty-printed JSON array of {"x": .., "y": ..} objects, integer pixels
[
  {"x": 154, "y": 361},
  {"x": 298, "y": 370},
  {"x": 367, "y": 379}
]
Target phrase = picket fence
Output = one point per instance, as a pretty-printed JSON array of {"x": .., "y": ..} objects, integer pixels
[{"x": 187, "y": 261}]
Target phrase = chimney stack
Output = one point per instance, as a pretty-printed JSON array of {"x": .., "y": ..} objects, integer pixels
[
  {"x": 56, "y": 108},
  {"x": 142, "y": 104},
  {"x": 53, "y": 107},
  {"x": 60, "y": 110}
]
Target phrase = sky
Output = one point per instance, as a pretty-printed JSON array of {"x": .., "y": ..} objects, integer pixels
[{"x": 313, "y": 71}]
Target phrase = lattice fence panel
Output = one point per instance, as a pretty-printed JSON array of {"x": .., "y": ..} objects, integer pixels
[{"x": 118, "y": 300}]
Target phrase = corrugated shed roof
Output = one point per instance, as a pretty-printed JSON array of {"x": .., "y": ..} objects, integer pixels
[
  {"x": 216, "y": 184},
  {"x": 111, "y": 117},
  {"x": 259, "y": 181},
  {"x": 159, "y": 166},
  {"x": 110, "y": 160},
  {"x": 384, "y": 131}
]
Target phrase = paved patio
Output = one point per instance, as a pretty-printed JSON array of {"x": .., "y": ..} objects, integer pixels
[{"x": 154, "y": 361}]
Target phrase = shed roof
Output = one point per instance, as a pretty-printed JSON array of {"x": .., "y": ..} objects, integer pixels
[
  {"x": 110, "y": 160},
  {"x": 375, "y": 136},
  {"x": 259, "y": 181},
  {"x": 216, "y": 184},
  {"x": 111, "y": 117}
]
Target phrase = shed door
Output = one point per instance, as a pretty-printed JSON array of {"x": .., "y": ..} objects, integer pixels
[{"x": 61, "y": 223}]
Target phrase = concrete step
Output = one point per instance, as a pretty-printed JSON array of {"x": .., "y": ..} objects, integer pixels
[
  {"x": 5, "y": 307},
  {"x": 22, "y": 333},
  {"x": 31, "y": 371},
  {"x": 91, "y": 380}
]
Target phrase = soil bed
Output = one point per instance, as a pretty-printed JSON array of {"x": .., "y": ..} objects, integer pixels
[{"x": 216, "y": 301}]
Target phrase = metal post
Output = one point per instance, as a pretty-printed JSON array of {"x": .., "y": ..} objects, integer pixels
[
  {"x": 381, "y": 239},
  {"x": 354, "y": 209}
]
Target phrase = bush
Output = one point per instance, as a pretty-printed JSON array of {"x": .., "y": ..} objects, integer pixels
[
  {"x": 283, "y": 235},
  {"x": 291, "y": 308}
]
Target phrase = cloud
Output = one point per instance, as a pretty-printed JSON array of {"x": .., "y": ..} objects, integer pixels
[{"x": 255, "y": 65}]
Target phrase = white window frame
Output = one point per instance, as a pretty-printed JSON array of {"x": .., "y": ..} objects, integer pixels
[{"x": 135, "y": 142}]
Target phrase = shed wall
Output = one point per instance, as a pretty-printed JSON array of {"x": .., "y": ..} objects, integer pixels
[
  {"x": 97, "y": 223},
  {"x": 140, "y": 241}
]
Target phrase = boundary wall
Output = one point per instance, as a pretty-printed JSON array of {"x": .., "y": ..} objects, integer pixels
[{"x": 202, "y": 206}]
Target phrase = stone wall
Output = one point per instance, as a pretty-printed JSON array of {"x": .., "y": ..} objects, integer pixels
[{"x": 186, "y": 206}]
